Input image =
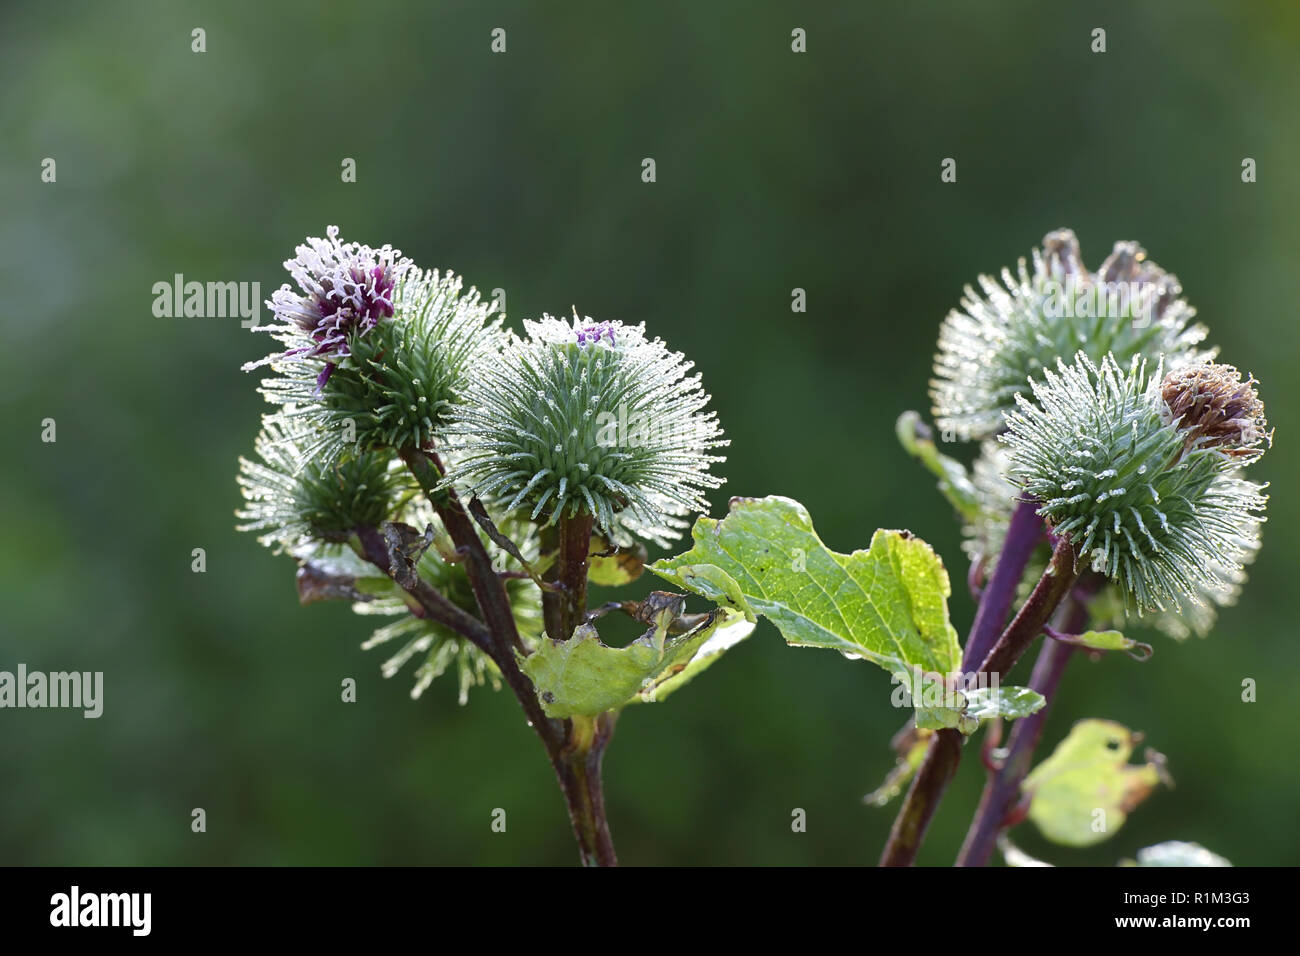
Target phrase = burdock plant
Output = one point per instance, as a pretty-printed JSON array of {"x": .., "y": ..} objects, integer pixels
[
  {"x": 1108, "y": 491},
  {"x": 423, "y": 463},
  {"x": 469, "y": 482}
]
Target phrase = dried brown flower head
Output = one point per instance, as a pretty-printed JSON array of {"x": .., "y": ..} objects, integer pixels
[{"x": 1214, "y": 408}]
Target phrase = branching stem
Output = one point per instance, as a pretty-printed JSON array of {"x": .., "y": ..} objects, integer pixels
[
  {"x": 1002, "y": 791},
  {"x": 944, "y": 754},
  {"x": 576, "y": 746}
]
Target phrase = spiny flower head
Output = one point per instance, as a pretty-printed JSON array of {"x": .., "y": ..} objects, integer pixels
[
  {"x": 344, "y": 291},
  {"x": 1157, "y": 507},
  {"x": 588, "y": 417},
  {"x": 292, "y": 498},
  {"x": 999, "y": 340},
  {"x": 996, "y": 496},
  {"x": 400, "y": 380}
]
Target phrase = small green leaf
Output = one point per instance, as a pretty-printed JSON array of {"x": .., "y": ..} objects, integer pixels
[
  {"x": 1176, "y": 853},
  {"x": 582, "y": 676},
  {"x": 969, "y": 707},
  {"x": 686, "y": 659},
  {"x": 1106, "y": 641},
  {"x": 952, "y": 718},
  {"x": 888, "y": 604},
  {"x": 1084, "y": 791},
  {"x": 985, "y": 703},
  {"x": 917, "y": 440}
]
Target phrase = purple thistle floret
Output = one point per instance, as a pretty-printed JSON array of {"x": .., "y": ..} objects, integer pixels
[
  {"x": 345, "y": 288},
  {"x": 592, "y": 334}
]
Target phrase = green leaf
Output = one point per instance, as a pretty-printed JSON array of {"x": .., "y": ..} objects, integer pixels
[
  {"x": 887, "y": 604},
  {"x": 582, "y": 676},
  {"x": 917, "y": 440},
  {"x": 1084, "y": 791},
  {"x": 951, "y": 717},
  {"x": 985, "y": 703},
  {"x": 1107, "y": 641},
  {"x": 1176, "y": 853},
  {"x": 965, "y": 709}
]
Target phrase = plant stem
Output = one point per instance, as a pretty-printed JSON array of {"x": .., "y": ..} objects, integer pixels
[
  {"x": 563, "y": 609},
  {"x": 1024, "y": 532},
  {"x": 923, "y": 796},
  {"x": 489, "y": 590},
  {"x": 1003, "y": 788},
  {"x": 1002, "y": 791},
  {"x": 575, "y": 747},
  {"x": 579, "y": 770},
  {"x": 432, "y": 604},
  {"x": 1051, "y": 590},
  {"x": 940, "y": 763}
]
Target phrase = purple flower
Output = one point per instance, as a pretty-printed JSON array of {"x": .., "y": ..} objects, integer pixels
[
  {"x": 592, "y": 334},
  {"x": 343, "y": 288}
]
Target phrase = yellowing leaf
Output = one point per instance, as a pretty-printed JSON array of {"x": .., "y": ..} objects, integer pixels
[
  {"x": 1084, "y": 791},
  {"x": 611, "y": 567}
]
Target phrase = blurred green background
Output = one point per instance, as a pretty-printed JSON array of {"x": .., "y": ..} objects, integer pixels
[{"x": 522, "y": 171}]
